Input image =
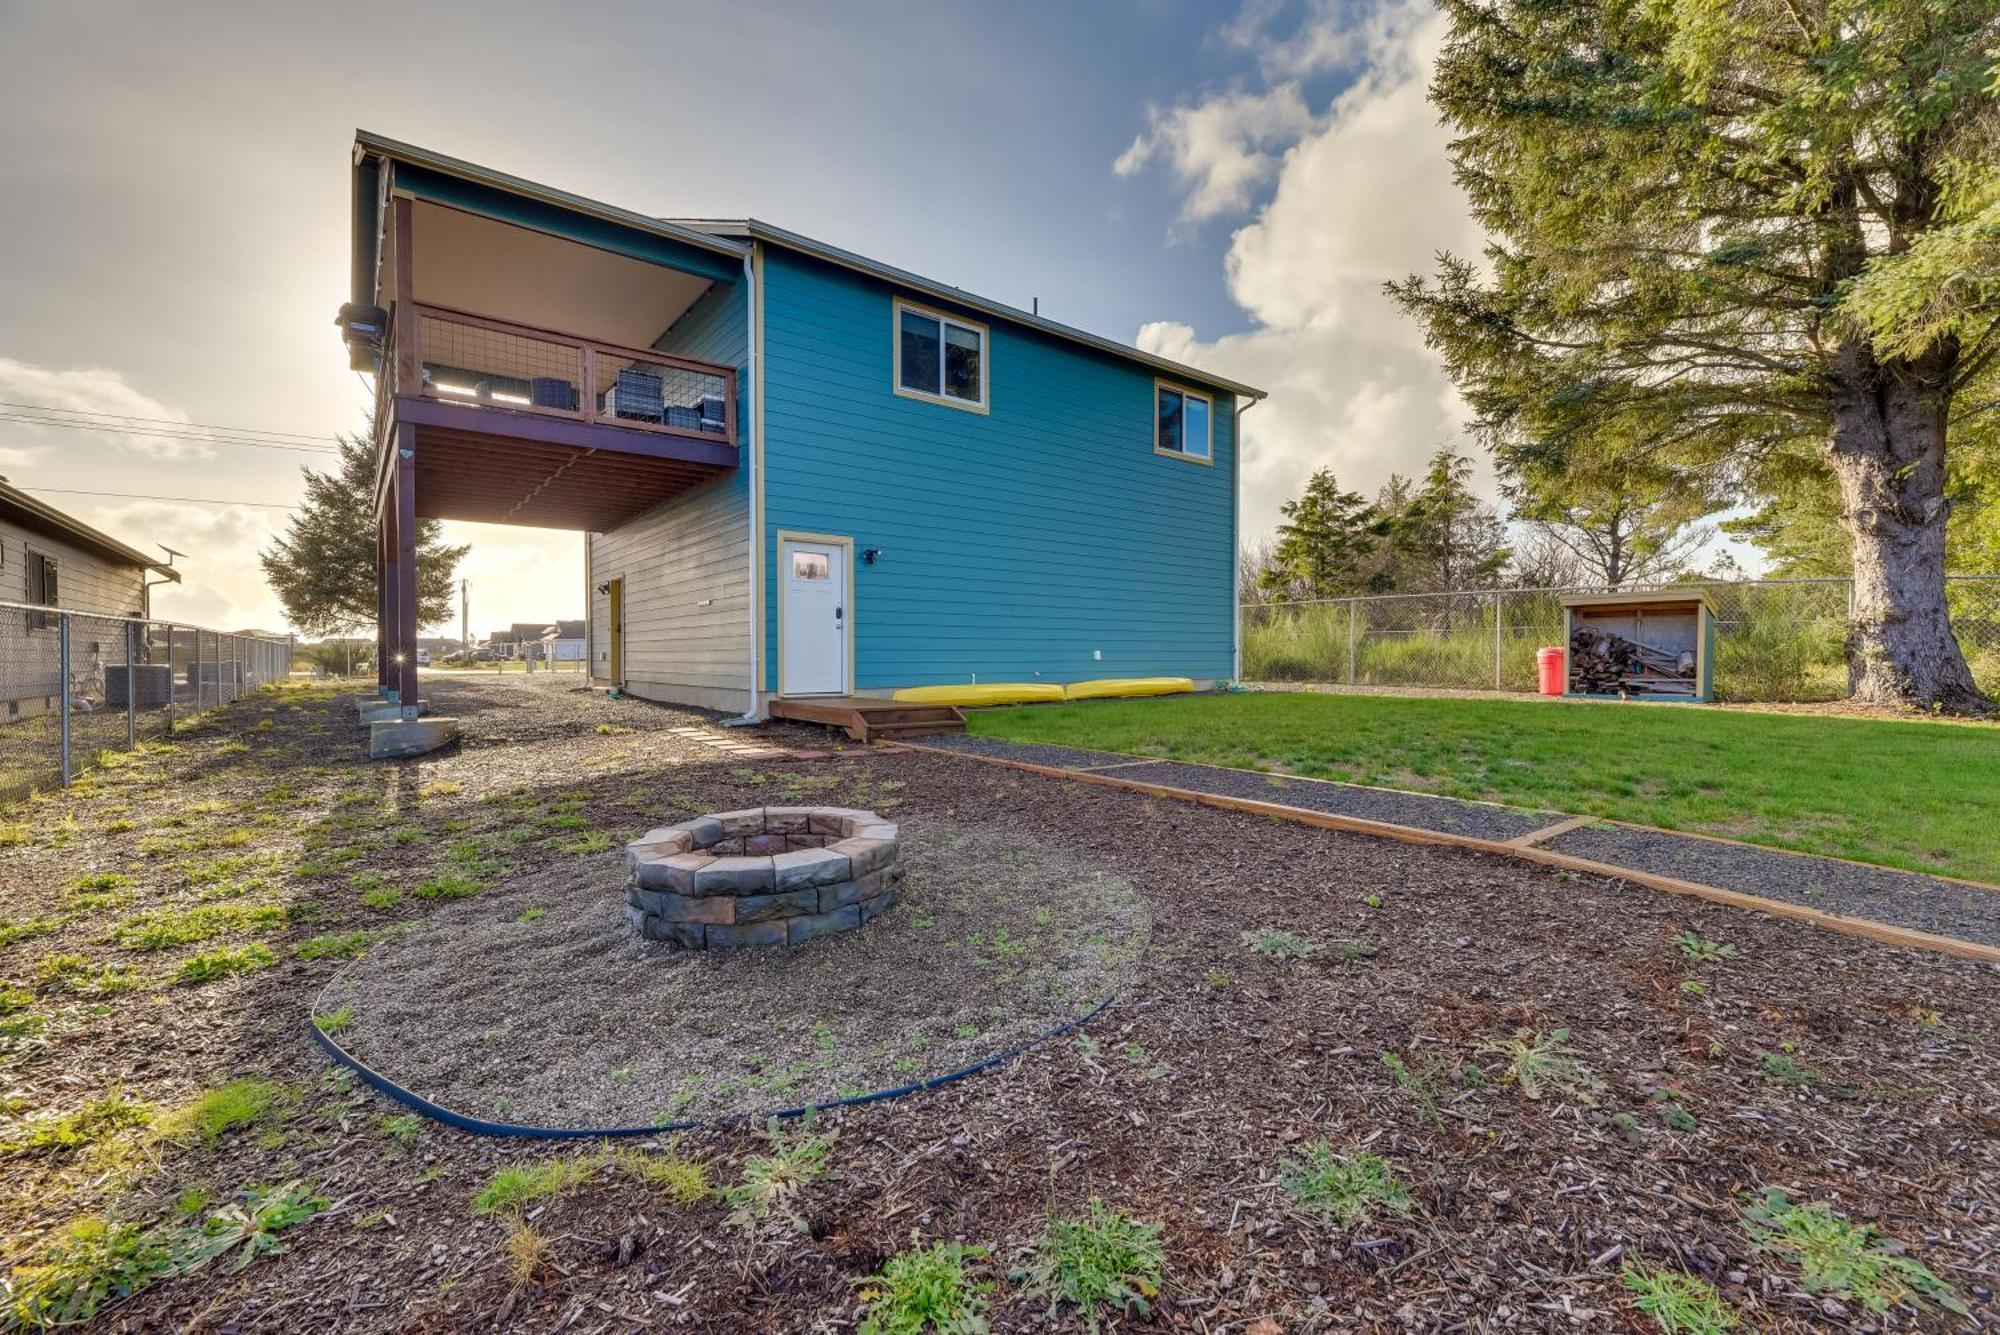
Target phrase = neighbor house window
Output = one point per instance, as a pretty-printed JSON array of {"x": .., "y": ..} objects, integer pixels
[
  {"x": 42, "y": 589},
  {"x": 1183, "y": 422},
  {"x": 940, "y": 357}
]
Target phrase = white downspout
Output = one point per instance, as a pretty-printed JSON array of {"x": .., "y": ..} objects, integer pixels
[
  {"x": 1236, "y": 547},
  {"x": 753, "y": 451}
]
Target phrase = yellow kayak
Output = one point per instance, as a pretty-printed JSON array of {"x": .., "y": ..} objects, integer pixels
[
  {"x": 990, "y": 693},
  {"x": 1117, "y": 686}
]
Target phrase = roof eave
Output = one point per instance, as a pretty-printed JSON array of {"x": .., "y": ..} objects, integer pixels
[
  {"x": 367, "y": 142},
  {"x": 759, "y": 230}
]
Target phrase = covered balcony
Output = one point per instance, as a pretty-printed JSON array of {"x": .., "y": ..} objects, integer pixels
[{"x": 539, "y": 360}]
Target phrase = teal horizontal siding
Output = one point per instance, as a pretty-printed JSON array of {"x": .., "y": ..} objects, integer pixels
[{"x": 1015, "y": 542}]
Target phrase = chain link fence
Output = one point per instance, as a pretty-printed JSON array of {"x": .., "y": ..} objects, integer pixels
[
  {"x": 1778, "y": 640},
  {"x": 76, "y": 684}
]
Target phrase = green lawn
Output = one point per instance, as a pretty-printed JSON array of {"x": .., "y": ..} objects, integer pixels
[{"x": 1906, "y": 794}]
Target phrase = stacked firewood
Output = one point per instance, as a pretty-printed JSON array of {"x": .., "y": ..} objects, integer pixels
[{"x": 1604, "y": 663}]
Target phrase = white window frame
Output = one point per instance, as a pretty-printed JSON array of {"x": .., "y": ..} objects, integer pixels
[
  {"x": 896, "y": 310},
  {"x": 1207, "y": 456}
]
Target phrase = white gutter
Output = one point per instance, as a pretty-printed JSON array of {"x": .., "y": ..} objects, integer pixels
[
  {"x": 753, "y": 449},
  {"x": 1236, "y": 547}
]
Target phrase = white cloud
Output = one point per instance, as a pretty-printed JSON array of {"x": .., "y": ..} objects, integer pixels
[
  {"x": 1220, "y": 149},
  {"x": 25, "y": 387},
  {"x": 1363, "y": 194}
]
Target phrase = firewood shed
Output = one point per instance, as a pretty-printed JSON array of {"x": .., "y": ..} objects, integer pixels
[{"x": 1658, "y": 645}]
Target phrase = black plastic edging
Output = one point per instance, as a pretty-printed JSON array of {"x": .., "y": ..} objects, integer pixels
[{"x": 479, "y": 1126}]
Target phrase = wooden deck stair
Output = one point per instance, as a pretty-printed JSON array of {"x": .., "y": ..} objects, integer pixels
[{"x": 869, "y": 720}]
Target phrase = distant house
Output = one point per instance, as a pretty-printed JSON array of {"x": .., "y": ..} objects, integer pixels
[
  {"x": 803, "y": 472},
  {"x": 566, "y": 642},
  {"x": 52, "y": 559}
]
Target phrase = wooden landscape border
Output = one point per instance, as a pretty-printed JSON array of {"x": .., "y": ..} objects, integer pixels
[{"x": 1525, "y": 849}]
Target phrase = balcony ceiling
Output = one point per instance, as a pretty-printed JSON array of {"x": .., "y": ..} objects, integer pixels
[{"x": 491, "y": 268}]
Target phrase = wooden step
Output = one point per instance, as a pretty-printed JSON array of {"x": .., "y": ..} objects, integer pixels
[{"x": 925, "y": 728}]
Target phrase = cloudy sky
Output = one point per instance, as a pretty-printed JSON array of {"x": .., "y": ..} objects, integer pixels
[{"x": 1228, "y": 187}]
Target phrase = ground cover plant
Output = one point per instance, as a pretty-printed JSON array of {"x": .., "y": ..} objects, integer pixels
[
  {"x": 1225, "y": 1113},
  {"x": 1901, "y": 793}
]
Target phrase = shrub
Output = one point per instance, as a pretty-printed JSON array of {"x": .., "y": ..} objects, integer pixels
[
  {"x": 1536, "y": 1063},
  {"x": 1345, "y": 1188},
  {"x": 1097, "y": 1260},
  {"x": 1853, "y": 1261},
  {"x": 684, "y": 1180},
  {"x": 97, "y": 1260},
  {"x": 771, "y": 1183},
  {"x": 523, "y": 1184},
  {"x": 926, "y": 1290},
  {"x": 215, "y": 1113},
  {"x": 1679, "y": 1304},
  {"x": 96, "y": 1120},
  {"x": 1279, "y": 945},
  {"x": 213, "y": 964}
]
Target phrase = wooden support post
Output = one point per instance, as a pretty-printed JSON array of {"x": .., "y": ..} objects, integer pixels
[
  {"x": 404, "y": 498},
  {"x": 385, "y": 603}
]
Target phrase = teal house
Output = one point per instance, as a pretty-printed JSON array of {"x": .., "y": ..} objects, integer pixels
[{"x": 804, "y": 473}]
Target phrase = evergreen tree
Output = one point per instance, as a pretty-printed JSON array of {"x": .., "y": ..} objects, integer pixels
[
  {"x": 1446, "y": 537},
  {"x": 1727, "y": 232},
  {"x": 1322, "y": 543},
  {"x": 1625, "y": 521},
  {"x": 323, "y": 566}
]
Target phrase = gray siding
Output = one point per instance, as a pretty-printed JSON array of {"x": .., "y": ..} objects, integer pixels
[
  {"x": 30, "y": 661},
  {"x": 686, "y": 568},
  {"x": 686, "y": 565}
]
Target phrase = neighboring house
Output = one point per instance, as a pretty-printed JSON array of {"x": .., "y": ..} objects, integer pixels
[
  {"x": 565, "y": 642},
  {"x": 51, "y": 559},
  {"x": 803, "y": 472}
]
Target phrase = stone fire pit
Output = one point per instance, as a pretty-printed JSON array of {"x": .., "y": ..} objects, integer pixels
[{"x": 769, "y": 876}]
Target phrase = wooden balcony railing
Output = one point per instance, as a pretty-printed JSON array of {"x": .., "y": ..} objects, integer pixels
[{"x": 457, "y": 357}]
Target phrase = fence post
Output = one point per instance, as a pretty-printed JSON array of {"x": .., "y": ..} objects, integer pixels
[
  {"x": 1353, "y": 607},
  {"x": 172, "y": 690},
  {"x": 1497, "y": 649},
  {"x": 131, "y": 685},
  {"x": 62, "y": 652}
]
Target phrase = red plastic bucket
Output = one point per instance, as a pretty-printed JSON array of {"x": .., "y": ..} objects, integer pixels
[{"x": 1550, "y": 663}]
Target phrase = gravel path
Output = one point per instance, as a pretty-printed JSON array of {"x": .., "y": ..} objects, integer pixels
[{"x": 1901, "y": 898}]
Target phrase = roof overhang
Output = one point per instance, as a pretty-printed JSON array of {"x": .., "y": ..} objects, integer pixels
[
  {"x": 44, "y": 518},
  {"x": 752, "y": 229},
  {"x": 724, "y": 237}
]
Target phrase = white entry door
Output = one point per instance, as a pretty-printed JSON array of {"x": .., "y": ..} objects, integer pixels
[{"x": 813, "y": 617}]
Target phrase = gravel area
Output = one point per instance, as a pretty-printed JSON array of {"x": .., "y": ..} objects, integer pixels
[
  {"x": 1032, "y": 753},
  {"x": 1477, "y": 819},
  {"x": 1901, "y": 898},
  {"x": 537, "y": 1004}
]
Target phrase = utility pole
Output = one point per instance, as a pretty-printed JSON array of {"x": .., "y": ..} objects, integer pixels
[{"x": 464, "y": 622}]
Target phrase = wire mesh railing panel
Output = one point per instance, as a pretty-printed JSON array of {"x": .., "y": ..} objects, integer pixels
[
  {"x": 475, "y": 362},
  {"x": 1776, "y": 640},
  {"x": 683, "y": 399}
]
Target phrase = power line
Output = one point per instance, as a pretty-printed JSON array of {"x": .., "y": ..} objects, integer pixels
[
  {"x": 177, "y": 437},
  {"x": 168, "y": 421},
  {"x": 143, "y": 496}
]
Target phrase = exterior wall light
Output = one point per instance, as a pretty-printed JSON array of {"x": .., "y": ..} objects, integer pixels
[{"x": 869, "y": 554}]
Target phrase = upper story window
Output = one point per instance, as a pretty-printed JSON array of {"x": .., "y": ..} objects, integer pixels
[
  {"x": 940, "y": 357},
  {"x": 1183, "y": 423}
]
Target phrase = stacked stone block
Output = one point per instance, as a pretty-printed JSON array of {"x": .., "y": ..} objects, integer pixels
[{"x": 768, "y": 876}]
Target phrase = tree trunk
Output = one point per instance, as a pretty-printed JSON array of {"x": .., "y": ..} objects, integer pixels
[{"x": 1887, "y": 452}]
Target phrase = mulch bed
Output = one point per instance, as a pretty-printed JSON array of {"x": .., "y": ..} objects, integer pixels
[{"x": 1178, "y": 1106}]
